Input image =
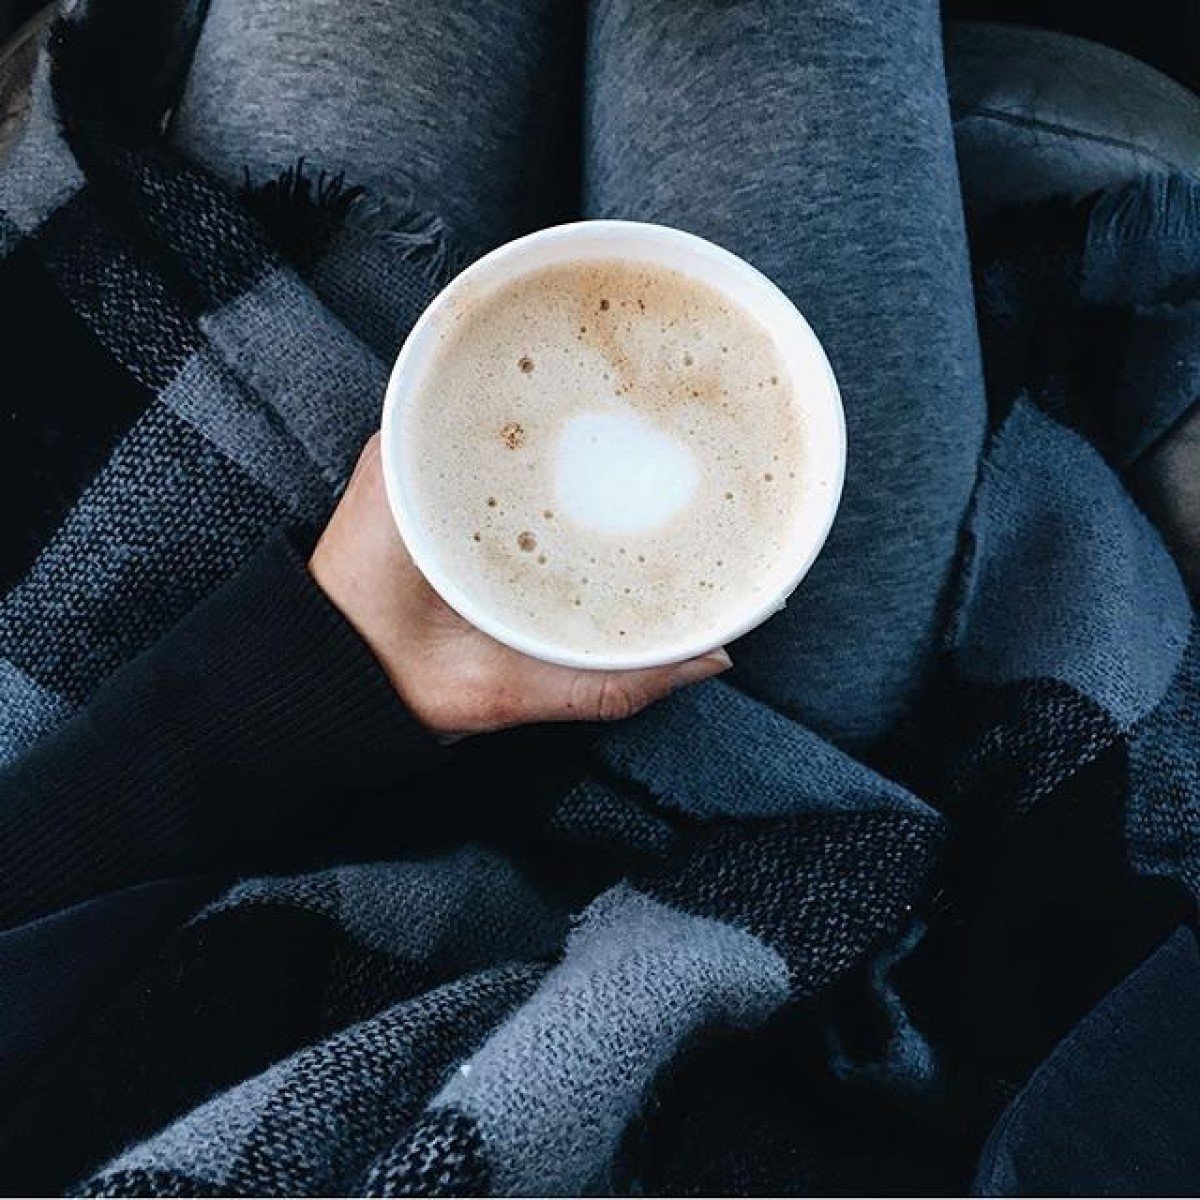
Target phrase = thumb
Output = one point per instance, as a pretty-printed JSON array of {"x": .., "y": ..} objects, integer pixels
[{"x": 615, "y": 695}]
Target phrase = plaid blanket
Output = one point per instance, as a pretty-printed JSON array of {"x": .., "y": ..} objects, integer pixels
[{"x": 728, "y": 958}]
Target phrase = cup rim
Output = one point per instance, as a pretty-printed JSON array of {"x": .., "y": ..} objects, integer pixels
[{"x": 811, "y": 531}]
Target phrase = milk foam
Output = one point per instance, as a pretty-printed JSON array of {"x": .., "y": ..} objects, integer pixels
[
  {"x": 617, "y": 473},
  {"x": 607, "y": 456}
]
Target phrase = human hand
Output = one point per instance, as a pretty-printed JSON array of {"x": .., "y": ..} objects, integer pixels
[{"x": 454, "y": 678}]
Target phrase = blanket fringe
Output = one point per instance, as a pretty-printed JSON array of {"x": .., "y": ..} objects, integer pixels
[
  {"x": 1141, "y": 244},
  {"x": 1157, "y": 206},
  {"x": 418, "y": 237},
  {"x": 303, "y": 212},
  {"x": 300, "y": 211}
]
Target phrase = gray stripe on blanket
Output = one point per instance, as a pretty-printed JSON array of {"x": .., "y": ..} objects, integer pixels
[
  {"x": 1069, "y": 580},
  {"x": 27, "y": 710},
  {"x": 301, "y": 361},
  {"x": 40, "y": 173},
  {"x": 373, "y": 284},
  {"x": 206, "y": 396},
  {"x": 764, "y": 765},
  {"x": 165, "y": 521},
  {"x": 466, "y": 908},
  {"x": 552, "y": 1090},
  {"x": 316, "y": 1119}
]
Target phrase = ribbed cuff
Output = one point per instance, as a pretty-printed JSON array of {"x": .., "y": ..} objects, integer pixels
[
  {"x": 245, "y": 727},
  {"x": 271, "y": 676}
]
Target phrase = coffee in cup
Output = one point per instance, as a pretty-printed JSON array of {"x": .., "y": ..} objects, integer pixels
[{"x": 607, "y": 459}]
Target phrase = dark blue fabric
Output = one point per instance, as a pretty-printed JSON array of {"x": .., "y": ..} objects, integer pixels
[
  {"x": 53, "y": 969},
  {"x": 904, "y": 938},
  {"x": 1115, "y": 1110},
  {"x": 1141, "y": 259}
]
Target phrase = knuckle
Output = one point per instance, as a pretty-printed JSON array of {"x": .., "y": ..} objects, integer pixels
[
  {"x": 614, "y": 701},
  {"x": 579, "y": 695}
]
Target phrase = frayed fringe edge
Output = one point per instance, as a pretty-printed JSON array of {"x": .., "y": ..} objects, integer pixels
[
  {"x": 300, "y": 210},
  {"x": 1143, "y": 244},
  {"x": 1157, "y": 205},
  {"x": 304, "y": 211},
  {"x": 297, "y": 185},
  {"x": 421, "y": 238}
]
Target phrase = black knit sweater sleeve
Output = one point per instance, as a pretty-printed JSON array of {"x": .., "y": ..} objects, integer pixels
[{"x": 249, "y": 718}]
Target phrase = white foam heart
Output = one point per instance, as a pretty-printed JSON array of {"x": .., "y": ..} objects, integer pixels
[{"x": 618, "y": 473}]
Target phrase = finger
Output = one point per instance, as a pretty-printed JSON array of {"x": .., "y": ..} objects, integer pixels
[
  {"x": 615, "y": 695},
  {"x": 696, "y": 670}
]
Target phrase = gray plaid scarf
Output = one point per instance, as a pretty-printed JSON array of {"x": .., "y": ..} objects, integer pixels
[{"x": 447, "y": 1025}]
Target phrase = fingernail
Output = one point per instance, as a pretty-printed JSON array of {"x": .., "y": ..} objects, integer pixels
[{"x": 697, "y": 669}]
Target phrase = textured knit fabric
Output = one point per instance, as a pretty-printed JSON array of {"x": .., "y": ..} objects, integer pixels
[
  {"x": 209, "y": 749},
  {"x": 1143, "y": 1135},
  {"x": 728, "y": 957},
  {"x": 814, "y": 140},
  {"x": 224, "y": 398},
  {"x": 470, "y": 106}
]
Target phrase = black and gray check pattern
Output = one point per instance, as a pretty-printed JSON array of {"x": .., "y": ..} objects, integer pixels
[{"x": 784, "y": 963}]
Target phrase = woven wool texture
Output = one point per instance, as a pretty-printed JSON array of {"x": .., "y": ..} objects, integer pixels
[{"x": 785, "y": 955}]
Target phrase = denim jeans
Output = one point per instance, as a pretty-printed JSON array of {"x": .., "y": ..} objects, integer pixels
[{"x": 810, "y": 136}]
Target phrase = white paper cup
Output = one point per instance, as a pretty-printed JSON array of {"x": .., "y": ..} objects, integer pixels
[{"x": 813, "y": 387}]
